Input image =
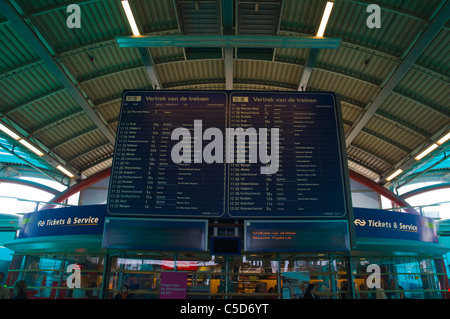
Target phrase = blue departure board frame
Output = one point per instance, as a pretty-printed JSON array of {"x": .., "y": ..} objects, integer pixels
[{"x": 311, "y": 181}]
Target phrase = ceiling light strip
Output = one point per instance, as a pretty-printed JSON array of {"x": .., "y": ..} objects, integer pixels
[
  {"x": 444, "y": 139},
  {"x": 426, "y": 152},
  {"x": 65, "y": 171},
  {"x": 9, "y": 132},
  {"x": 325, "y": 17},
  {"x": 130, "y": 17},
  {"x": 31, "y": 147},
  {"x": 394, "y": 175}
]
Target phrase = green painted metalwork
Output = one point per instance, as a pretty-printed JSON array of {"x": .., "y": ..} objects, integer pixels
[{"x": 227, "y": 41}]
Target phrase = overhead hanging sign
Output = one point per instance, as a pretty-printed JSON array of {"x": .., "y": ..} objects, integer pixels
[
  {"x": 376, "y": 223},
  {"x": 79, "y": 220},
  {"x": 232, "y": 154}
]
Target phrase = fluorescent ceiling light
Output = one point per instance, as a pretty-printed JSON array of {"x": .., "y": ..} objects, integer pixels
[
  {"x": 427, "y": 151},
  {"x": 395, "y": 174},
  {"x": 9, "y": 132},
  {"x": 444, "y": 139},
  {"x": 325, "y": 17},
  {"x": 31, "y": 147},
  {"x": 130, "y": 17},
  {"x": 62, "y": 169}
]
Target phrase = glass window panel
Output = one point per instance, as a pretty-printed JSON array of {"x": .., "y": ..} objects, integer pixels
[{"x": 46, "y": 275}]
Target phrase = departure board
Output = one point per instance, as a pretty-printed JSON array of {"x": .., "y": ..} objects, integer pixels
[
  {"x": 144, "y": 179},
  {"x": 230, "y": 154},
  {"x": 308, "y": 181}
]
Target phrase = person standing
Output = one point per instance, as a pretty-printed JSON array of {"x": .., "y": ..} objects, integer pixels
[
  {"x": 4, "y": 292},
  {"x": 20, "y": 288},
  {"x": 310, "y": 292}
]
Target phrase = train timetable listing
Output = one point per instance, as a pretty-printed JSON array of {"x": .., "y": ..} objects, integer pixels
[
  {"x": 309, "y": 179},
  {"x": 145, "y": 180}
]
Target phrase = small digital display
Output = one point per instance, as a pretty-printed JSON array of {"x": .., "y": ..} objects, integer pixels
[{"x": 225, "y": 245}]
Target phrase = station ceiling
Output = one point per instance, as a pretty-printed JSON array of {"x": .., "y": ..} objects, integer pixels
[{"x": 61, "y": 86}]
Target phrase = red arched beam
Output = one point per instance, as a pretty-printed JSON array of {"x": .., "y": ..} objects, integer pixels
[
  {"x": 353, "y": 175},
  {"x": 381, "y": 190},
  {"x": 79, "y": 187}
]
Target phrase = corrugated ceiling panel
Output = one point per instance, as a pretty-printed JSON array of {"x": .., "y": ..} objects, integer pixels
[
  {"x": 167, "y": 54},
  {"x": 294, "y": 56},
  {"x": 97, "y": 168},
  {"x": 70, "y": 127},
  {"x": 348, "y": 21},
  {"x": 82, "y": 145},
  {"x": 110, "y": 110},
  {"x": 362, "y": 170},
  {"x": 33, "y": 7},
  {"x": 343, "y": 85},
  {"x": 258, "y": 18},
  {"x": 114, "y": 126},
  {"x": 367, "y": 159},
  {"x": 200, "y": 17},
  {"x": 102, "y": 61},
  {"x": 302, "y": 15},
  {"x": 413, "y": 113},
  {"x": 100, "y": 20},
  {"x": 427, "y": 89},
  {"x": 379, "y": 148},
  {"x": 93, "y": 156},
  {"x": 202, "y": 86},
  {"x": 181, "y": 73},
  {"x": 350, "y": 112},
  {"x": 253, "y": 87},
  {"x": 437, "y": 55},
  {"x": 287, "y": 75},
  {"x": 26, "y": 86},
  {"x": 398, "y": 135},
  {"x": 14, "y": 51},
  {"x": 415, "y": 7},
  {"x": 100, "y": 89},
  {"x": 356, "y": 63},
  {"x": 48, "y": 110},
  {"x": 155, "y": 15}
]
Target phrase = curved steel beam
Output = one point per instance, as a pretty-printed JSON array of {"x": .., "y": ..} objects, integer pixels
[
  {"x": 24, "y": 182},
  {"x": 425, "y": 190}
]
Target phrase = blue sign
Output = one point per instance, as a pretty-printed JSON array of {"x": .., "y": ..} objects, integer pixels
[
  {"x": 293, "y": 163},
  {"x": 79, "y": 220},
  {"x": 376, "y": 223}
]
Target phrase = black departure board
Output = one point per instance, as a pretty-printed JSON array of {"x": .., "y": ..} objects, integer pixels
[
  {"x": 308, "y": 181},
  {"x": 237, "y": 154},
  {"x": 144, "y": 179}
]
